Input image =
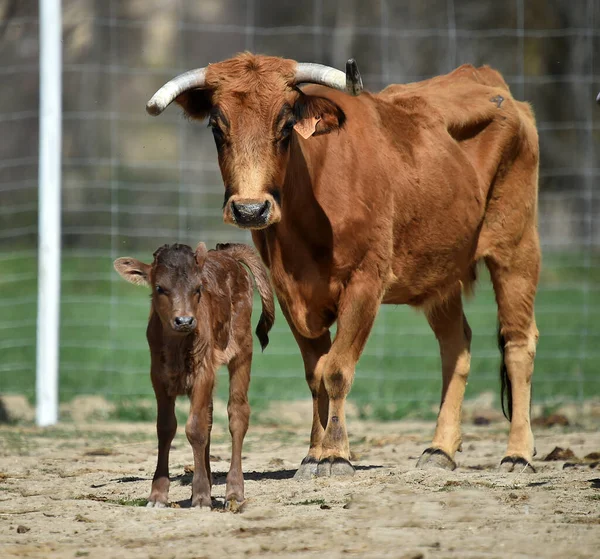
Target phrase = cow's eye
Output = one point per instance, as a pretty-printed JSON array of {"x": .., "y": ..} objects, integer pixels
[
  {"x": 219, "y": 137},
  {"x": 198, "y": 290},
  {"x": 160, "y": 290},
  {"x": 286, "y": 132},
  {"x": 287, "y": 128}
]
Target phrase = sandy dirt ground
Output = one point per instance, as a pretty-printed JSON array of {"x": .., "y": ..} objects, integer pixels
[{"x": 78, "y": 490}]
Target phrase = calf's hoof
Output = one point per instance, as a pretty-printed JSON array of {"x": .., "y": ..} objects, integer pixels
[
  {"x": 334, "y": 466},
  {"x": 307, "y": 469},
  {"x": 516, "y": 464},
  {"x": 435, "y": 458},
  {"x": 156, "y": 505}
]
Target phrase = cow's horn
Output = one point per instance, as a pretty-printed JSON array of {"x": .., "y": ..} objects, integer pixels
[
  {"x": 172, "y": 89},
  {"x": 350, "y": 82},
  {"x": 598, "y": 98}
]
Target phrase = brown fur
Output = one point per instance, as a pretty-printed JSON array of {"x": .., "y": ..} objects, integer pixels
[
  {"x": 395, "y": 201},
  {"x": 211, "y": 288}
]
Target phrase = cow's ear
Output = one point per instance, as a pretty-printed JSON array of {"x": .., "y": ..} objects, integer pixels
[
  {"x": 196, "y": 103},
  {"x": 133, "y": 270},
  {"x": 317, "y": 115}
]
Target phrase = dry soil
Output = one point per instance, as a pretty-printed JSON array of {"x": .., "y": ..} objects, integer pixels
[{"x": 78, "y": 490}]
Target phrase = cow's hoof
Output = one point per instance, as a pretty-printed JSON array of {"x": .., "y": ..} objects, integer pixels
[
  {"x": 307, "y": 469},
  {"x": 435, "y": 458},
  {"x": 516, "y": 464},
  {"x": 156, "y": 505},
  {"x": 202, "y": 502},
  {"x": 234, "y": 505},
  {"x": 334, "y": 466}
]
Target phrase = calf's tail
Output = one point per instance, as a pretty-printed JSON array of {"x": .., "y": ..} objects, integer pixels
[{"x": 250, "y": 258}]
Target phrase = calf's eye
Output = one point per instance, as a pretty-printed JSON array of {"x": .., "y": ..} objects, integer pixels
[{"x": 160, "y": 290}]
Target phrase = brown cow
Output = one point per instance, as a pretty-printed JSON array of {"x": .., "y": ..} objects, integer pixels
[
  {"x": 393, "y": 197},
  {"x": 199, "y": 320}
]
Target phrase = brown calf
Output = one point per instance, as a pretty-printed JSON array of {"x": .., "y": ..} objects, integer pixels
[
  {"x": 199, "y": 320},
  {"x": 389, "y": 197}
]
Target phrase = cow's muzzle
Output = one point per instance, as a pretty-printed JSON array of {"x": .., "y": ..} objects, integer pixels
[{"x": 251, "y": 213}]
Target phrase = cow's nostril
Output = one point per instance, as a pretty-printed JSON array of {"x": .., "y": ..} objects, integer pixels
[
  {"x": 235, "y": 210},
  {"x": 265, "y": 209}
]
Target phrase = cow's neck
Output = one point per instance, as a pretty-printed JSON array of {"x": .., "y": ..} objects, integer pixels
[
  {"x": 299, "y": 250},
  {"x": 302, "y": 213}
]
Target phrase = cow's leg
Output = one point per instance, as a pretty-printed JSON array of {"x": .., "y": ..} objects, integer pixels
[
  {"x": 166, "y": 427},
  {"x": 515, "y": 285},
  {"x": 454, "y": 336},
  {"x": 198, "y": 429},
  {"x": 312, "y": 349},
  {"x": 238, "y": 410},
  {"x": 357, "y": 311}
]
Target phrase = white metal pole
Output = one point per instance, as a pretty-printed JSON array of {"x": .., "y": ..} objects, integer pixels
[{"x": 49, "y": 212}]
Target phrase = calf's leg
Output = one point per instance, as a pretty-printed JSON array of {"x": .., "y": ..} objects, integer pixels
[
  {"x": 166, "y": 427},
  {"x": 238, "y": 410},
  {"x": 454, "y": 336},
  {"x": 357, "y": 311},
  {"x": 197, "y": 429}
]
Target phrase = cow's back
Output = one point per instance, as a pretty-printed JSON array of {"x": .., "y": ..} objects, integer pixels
[
  {"x": 460, "y": 96},
  {"x": 470, "y": 132},
  {"x": 476, "y": 108}
]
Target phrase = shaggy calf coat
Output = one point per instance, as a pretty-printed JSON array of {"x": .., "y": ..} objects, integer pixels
[{"x": 199, "y": 320}]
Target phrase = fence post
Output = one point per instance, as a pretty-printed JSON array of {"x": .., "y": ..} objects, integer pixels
[{"x": 49, "y": 212}]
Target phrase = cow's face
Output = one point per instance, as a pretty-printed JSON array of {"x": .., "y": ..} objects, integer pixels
[
  {"x": 176, "y": 283},
  {"x": 257, "y": 116}
]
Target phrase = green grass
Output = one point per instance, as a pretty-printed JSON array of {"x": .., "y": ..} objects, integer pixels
[
  {"x": 129, "y": 502},
  {"x": 104, "y": 351},
  {"x": 134, "y": 409}
]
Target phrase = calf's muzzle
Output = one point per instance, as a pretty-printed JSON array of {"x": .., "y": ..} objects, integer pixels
[{"x": 184, "y": 323}]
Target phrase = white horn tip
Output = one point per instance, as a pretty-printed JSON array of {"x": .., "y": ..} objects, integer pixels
[
  {"x": 598, "y": 98},
  {"x": 154, "y": 108}
]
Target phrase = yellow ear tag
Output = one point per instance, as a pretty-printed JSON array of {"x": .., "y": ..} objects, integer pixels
[{"x": 306, "y": 127}]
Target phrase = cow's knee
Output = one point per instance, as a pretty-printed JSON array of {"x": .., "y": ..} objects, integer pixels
[
  {"x": 337, "y": 378},
  {"x": 519, "y": 356}
]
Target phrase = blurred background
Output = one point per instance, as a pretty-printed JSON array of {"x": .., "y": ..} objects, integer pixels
[{"x": 132, "y": 182}]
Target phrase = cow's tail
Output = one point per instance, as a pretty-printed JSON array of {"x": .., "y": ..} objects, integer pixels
[
  {"x": 249, "y": 257},
  {"x": 505, "y": 385}
]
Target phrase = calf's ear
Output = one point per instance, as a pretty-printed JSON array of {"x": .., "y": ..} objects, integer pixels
[
  {"x": 196, "y": 103},
  {"x": 133, "y": 270},
  {"x": 317, "y": 115},
  {"x": 200, "y": 254}
]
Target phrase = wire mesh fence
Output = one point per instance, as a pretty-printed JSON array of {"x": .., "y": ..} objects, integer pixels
[{"x": 132, "y": 183}]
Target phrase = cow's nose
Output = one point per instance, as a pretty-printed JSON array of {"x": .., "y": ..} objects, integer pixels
[
  {"x": 252, "y": 214},
  {"x": 184, "y": 322}
]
